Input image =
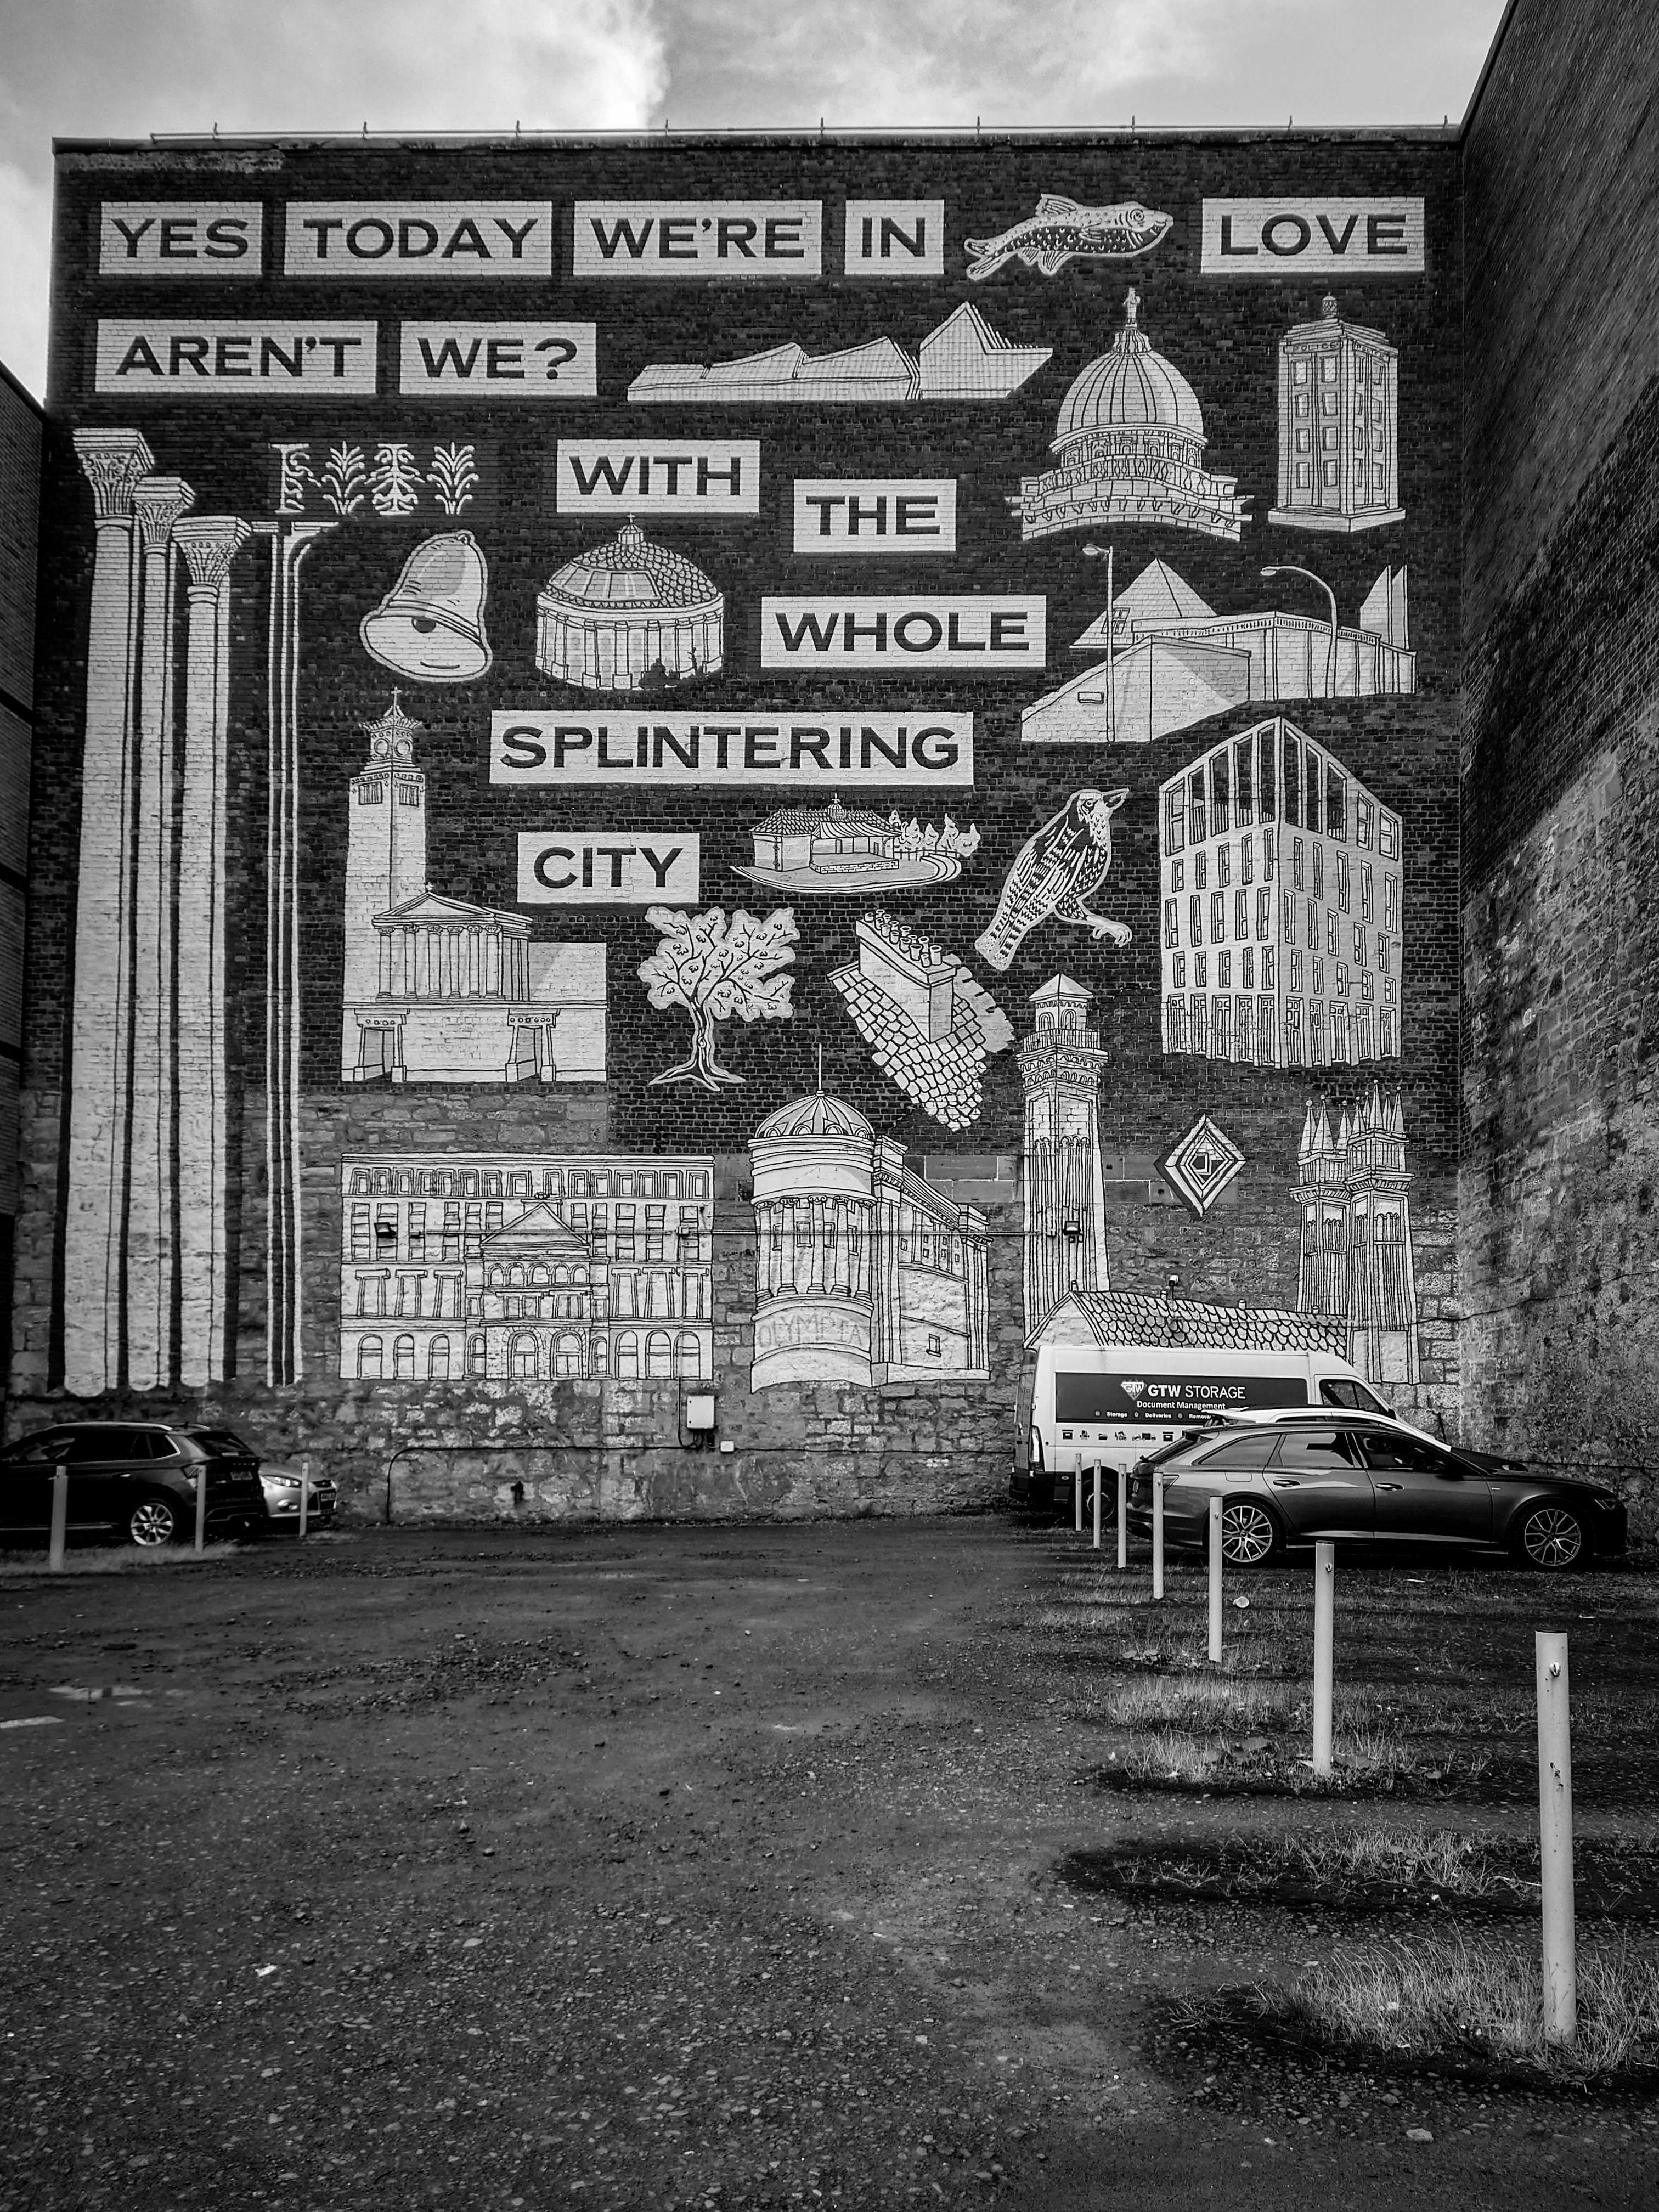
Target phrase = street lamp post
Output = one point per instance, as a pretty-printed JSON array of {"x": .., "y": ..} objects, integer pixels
[{"x": 1288, "y": 568}]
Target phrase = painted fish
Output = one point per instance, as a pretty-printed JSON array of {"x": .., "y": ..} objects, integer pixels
[{"x": 1062, "y": 230}]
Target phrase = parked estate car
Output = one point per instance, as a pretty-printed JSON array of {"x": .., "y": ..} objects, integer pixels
[
  {"x": 282, "y": 1486},
  {"x": 1298, "y": 1481},
  {"x": 135, "y": 1480}
]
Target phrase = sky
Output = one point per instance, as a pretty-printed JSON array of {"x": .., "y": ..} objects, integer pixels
[{"x": 123, "y": 69}]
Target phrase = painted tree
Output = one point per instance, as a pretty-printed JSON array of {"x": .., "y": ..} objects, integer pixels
[{"x": 718, "y": 971}]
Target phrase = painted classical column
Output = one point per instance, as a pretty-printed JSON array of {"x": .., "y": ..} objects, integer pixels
[
  {"x": 285, "y": 1316},
  {"x": 157, "y": 504},
  {"x": 209, "y": 544},
  {"x": 114, "y": 461}
]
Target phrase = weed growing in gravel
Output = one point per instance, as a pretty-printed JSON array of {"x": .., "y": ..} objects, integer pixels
[
  {"x": 1436, "y": 1859},
  {"x": 1444, "y": 1996},
  {"x": 130, "y": 1561},
  {"x": 1373, "y": 1756}
]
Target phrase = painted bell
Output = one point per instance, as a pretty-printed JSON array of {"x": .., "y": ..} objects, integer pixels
[{"x": 429, "y": 627}]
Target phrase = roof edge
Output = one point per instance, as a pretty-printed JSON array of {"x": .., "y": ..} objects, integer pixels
[{"x": 1444, "y": 133}]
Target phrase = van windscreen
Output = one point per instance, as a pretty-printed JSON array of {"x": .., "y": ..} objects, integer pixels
[{"x": 1132, "y": 1397}]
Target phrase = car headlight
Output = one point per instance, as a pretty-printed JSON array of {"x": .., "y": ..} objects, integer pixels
[{"x": 281, "y": 1482}]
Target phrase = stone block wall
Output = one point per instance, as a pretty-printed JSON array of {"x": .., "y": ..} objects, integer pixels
[{"x": 1559, "y": 1241}]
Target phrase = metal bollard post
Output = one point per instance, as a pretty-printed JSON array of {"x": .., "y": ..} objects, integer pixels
[
  {"x": 1157, "y": 1532},
  {"x": 59, "y": 1519},
  {"x": 1123, "y": 1516},
  {"x": 1324, "y": 1652},
  {"x": 1076, "y": 1497},
  {"x": 305, "y": 1491},
  {"x": 1097, "y": 1505},
  {"x": 201, "y": 1504},
  {"x": 1555, "y": 1840},
  {"x": 1215, "y": 1581}
]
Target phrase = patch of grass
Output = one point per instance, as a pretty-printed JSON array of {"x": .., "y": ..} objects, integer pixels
[
  {"x": 1442, "y": 1859},
  {"x": 1367, "y": 1757},
  {"x": 1441, "y": 1997},
  {"x": 116, "y": 1559}
]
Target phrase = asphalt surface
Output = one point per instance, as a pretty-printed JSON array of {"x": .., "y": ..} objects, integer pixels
[{"x": 662, "y": 1867}]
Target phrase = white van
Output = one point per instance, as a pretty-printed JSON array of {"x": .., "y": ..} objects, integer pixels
[{"x": 1083, "y": 1405}]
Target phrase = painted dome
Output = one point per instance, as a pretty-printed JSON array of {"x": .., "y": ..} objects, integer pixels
[
  {"x": 819, "y": 1115},
  {"x": 1130, "y": 388},
  {"x": 628, "y": 572}
]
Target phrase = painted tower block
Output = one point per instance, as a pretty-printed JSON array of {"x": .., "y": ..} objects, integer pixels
[
  {"x": 1338, "y": 427},
  {"x": 1356, "y": 1265},
  {"x": 1280, "y": 876},
  {"x": 1062, "y": 1064}
]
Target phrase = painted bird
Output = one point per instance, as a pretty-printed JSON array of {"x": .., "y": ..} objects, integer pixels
[
  {"x": 1062, "y": 230},
  {"x": 1059, "y": 867}
]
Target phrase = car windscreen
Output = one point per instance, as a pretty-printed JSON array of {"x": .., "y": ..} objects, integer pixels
[
  {"x": 1342, "y": 1390},
  {"x": 219, "y": 1443},
  {"x": 1115, "y": 1396}
]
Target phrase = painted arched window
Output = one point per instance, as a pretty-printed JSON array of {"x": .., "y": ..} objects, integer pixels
[
  {"x": 560, "y": 1274},
  {"x": 437, "y": 1360},
  {"x": 658, "y": 1355},
  {"x": 601, "y": 1350},
  {"x": 477, "y": 1358},
  {"x": 403, "y": 1359},
  {"x": 569, "y": 1358},
  {"x": 497, "y": 1276},
  {"x": 371, "y": 1355},
  {"x": 628, "y": 1356},
  {"x": 689, "y": 1358},
  {"x": 525, "y": 1362},
  {"x": 540, "y": 1276}
]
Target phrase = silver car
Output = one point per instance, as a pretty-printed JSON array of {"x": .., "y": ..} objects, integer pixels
[{"x": 1358, "y": 1481}]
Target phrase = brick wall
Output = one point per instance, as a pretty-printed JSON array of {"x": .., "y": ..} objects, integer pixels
[
  {"x": 1559, "y": 1252},
  {"x": 251, "y": 1335}
]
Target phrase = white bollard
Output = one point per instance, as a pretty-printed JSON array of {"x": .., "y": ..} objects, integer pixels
[
  {"x": 1097, "y": 1505},
  {"x": 201, "y": 1504},
  {"x": 1076, "y": 1497},
  {"x": 1123, "y": 1516},
  {"x": 1215, "y": 1581},
  {"x": 305, "y": 1491},
  {"x": 59, "y": 1520},
  {"x": 1555, "y": 1840},
  {"x": 1157, "y": 1532},
  {"x": 1324, "y": 1652}
]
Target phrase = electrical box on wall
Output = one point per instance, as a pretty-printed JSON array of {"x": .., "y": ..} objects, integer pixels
[{"x": 697, "y": 1418}]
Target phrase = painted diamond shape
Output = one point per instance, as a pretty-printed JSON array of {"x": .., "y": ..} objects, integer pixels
[{"x": 1201, "y": 1166}]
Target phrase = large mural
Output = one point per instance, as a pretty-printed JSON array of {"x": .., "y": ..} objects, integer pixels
[{"x": 932, "y": 574}]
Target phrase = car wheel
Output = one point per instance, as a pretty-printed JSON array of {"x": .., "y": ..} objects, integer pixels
[
  {"x": 1551, "y": 1537},
  {"x": 1250, "y": 1536},
  {"x": 154, "y": 1521}
]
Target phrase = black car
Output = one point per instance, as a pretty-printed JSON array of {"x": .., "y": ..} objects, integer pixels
[
  {"x": 133, "y": 1480},
  {"x": 1301, "y": 1482}
]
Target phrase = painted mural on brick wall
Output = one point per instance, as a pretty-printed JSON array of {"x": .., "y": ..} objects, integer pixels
[{"x": 646, "y": 813}]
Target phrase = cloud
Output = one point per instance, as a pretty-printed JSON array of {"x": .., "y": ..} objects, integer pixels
[
  {"x": 26, "y": 229},
  {"x": 1071, "y": 63}
]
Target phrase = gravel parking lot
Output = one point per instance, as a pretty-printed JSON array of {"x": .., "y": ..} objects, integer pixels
[{"x": 663, "y": 1867}]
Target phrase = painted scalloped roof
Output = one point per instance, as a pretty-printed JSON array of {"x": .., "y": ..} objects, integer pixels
[{"x": 630, "y": 571}]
